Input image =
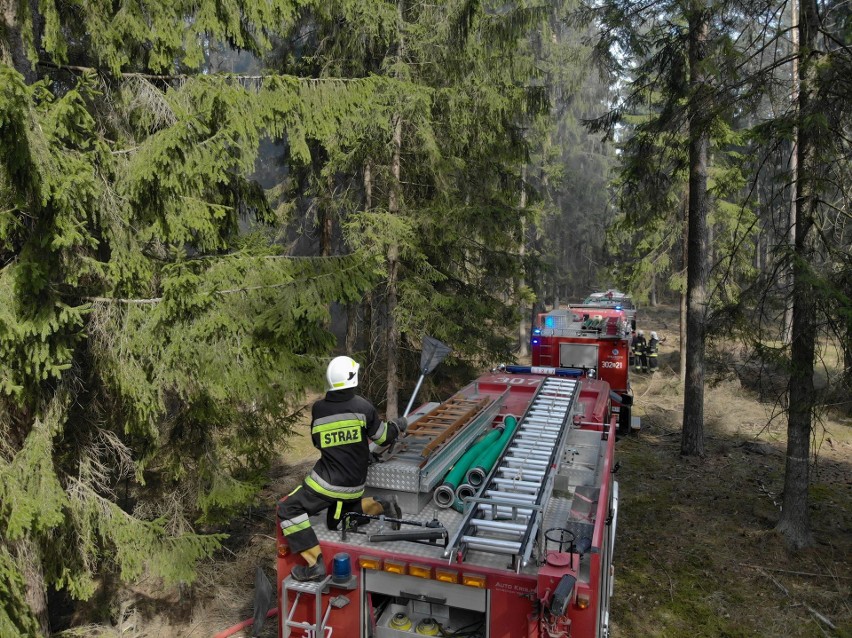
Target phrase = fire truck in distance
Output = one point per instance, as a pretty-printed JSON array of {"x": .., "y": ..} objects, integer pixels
[
  {"x": 509, "y": 512},
  {"x": 612, "y": 299},
  {"x": 595, "y": 339}
]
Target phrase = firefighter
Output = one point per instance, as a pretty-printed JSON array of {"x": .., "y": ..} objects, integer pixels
[
  {"x": 342, "y": 425},
  {"x": 640, "y": 359},
  {"x": 652, "y": 349}
]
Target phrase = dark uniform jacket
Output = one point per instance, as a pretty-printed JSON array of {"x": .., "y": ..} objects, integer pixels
[{"x": 342, "y": 426}]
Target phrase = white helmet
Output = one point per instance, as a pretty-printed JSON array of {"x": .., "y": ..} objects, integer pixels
[
  {"x": 640, "y": 333},
  {"x": 654, "y": 336},
  {"x": 341, "y": 373}
]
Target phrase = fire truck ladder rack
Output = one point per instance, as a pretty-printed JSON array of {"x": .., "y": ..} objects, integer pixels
[
  {"x": 314, "y": 589},
  {"x": 506, "y": 514}
]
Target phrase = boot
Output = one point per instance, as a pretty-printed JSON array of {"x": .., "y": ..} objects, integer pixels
[
  {"x": 391, "y": 509},
  {"x": 314, "y": 573}
]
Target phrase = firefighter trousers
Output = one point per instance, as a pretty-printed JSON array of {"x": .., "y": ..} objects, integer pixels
[{"x": 295, "y": 510}]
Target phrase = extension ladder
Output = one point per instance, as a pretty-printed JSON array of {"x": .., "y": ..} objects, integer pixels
[{"x": 507, "y": 512}]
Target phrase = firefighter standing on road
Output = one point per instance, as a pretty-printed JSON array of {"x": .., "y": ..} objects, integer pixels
[
  {"x": 342, "y": 425},
  {"x": 653, "y": 347},
  {"x": 640, "y": 358}
]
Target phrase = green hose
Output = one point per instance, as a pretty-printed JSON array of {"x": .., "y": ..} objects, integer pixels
[
  {"x": 445, "y": 493},
  {"x": 479, "y": 469}
]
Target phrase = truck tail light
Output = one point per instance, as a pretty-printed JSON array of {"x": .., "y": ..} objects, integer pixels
[
  {"x": 583, "y": 601},
  {"x": 368, "y": 562},
  {"x": 446, "y": 575},
  {"x": 421, "y": 571},
  {"x": 394, "y": 566},
  {"x": 473, "y": 580}
]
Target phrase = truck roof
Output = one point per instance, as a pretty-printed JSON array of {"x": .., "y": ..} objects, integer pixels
[{"x": 411, "y": 478}]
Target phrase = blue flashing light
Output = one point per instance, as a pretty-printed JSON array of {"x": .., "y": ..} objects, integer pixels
[
  {"x": 536, "y": 331},
  {"x": 549, "y": 322},
  {"x": 618, "y": 307},
  {"x": 535, "y": 342}
]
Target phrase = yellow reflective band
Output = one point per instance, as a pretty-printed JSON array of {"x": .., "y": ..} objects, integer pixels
[
  {"x": 294, "y": 491},
  {"x": 381, "y": 439},
  {"x": 296, "y": 528},
  {"x": 339, "y": 509},
  {"x": 341, "y": 436},
  {"x": 341, "y": 496}
]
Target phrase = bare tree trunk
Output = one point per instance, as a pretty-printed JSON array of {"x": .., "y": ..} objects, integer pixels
[
  {"x": 794, "y": 170},
  {"x": 523, "y": 327},
  {"x": 653, "y": 290},
  {"x": 29, "y": 557},
  {"x": 684, "y": 253},
  {"x": 15, "y": 50},
  {"x": 392, "y": 338},
  {"x": 794, "y": 524},
  {"x": 692, "y": 436}
]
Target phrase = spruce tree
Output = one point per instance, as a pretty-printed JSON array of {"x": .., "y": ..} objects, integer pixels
[{"x": 156, "y": 338}]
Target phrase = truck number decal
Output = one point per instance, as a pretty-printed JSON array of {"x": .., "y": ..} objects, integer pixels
[
  {"x": 518, "y": 381},
  {"x": 612, "y": 364}
]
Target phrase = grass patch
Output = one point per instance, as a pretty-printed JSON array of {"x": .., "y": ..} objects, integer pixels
[{"x": 696, "y": 554}]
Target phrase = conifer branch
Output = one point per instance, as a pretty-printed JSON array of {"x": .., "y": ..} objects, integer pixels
[
  {"x": 182, "y": 77},
  {"x": 230, "y": 291}
]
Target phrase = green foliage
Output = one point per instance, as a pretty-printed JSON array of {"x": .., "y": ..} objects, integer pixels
[
  {"x": 16, "y": 619},
  {"x": 155, "y": 335}
]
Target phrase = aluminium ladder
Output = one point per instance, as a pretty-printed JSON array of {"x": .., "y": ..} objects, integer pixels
[{"x": 507, "y": 512}]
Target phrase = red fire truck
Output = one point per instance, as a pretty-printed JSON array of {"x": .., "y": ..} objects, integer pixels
[
  {"x": 595, "y": 340},
  {"x": 527, "y": 552}
]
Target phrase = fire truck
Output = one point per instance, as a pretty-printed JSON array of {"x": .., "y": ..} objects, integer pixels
[
  {"x": 509, "y": 512},
  {"x": 594, "y": 339}
]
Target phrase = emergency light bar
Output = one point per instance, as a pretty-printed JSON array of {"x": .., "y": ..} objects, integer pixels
[{"x": 559, "y": 372}]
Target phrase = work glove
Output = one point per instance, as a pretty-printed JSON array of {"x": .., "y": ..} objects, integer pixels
[{"x": 401, "y": 424}]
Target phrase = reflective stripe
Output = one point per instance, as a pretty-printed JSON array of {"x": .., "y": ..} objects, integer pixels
[
  {"x": 337, "y": 492},
  {"x": 295, "y": 528},
  {"x": 343, "y": 423},
  {"x": 383, "y": 428},
  {"x": 294, "y": 491},
  {"x": 339, "y": 509},
  {"x": 343, "y": 416},
  {"x": 288, "y": 522}
]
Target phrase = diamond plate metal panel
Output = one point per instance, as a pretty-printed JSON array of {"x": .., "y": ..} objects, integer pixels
[{"x": 394, "y": 475}]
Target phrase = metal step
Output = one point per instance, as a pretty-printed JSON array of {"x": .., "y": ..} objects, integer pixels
[
  {"x": 314, "y": 589},
  {"x": 506, "y": 514}
]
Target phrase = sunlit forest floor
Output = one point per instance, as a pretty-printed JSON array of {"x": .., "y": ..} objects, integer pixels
[{"x": 695, "y": 552}]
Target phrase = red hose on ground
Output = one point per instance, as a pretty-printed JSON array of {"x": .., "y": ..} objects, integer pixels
[{"x": 230, "y": 631}]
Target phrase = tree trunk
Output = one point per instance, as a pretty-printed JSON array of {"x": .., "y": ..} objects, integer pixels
[
  {"x": 523, "y": 327},
  {"x": 12, "y": 27},
  {"x": 794, "y": 171},
  {"x": 392, "y": 334},
  {"x": 794, "y": 524},
  {"x": 29, "y": 558},
  {"x": 352, "y": 309},
  {"x": 653, "y": 299},
  {"x": 692, "y": 439},
  {"x": 684, "y": 252}
]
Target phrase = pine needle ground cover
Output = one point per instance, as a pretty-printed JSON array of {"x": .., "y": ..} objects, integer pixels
[{"x": 696, "y": 554}]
